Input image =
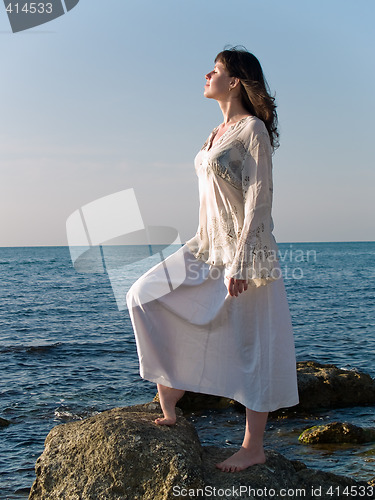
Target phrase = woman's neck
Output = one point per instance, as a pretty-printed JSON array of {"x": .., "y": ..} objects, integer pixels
[{"x": 232, "y": 111}]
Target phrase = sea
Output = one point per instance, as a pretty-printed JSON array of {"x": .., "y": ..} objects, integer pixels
[{"x": 67, "y": 351}]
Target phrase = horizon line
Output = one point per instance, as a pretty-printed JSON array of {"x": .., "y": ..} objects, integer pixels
[{"x": 170, "y": 244}]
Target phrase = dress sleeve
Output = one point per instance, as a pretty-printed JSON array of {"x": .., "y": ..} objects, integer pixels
[{"x": 255, "y": 259}]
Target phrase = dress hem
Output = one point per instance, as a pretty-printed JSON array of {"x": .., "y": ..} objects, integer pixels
[{"x": 212, "y": 392}]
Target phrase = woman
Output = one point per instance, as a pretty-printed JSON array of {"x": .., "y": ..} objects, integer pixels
[{"x": 226, "y": 329}]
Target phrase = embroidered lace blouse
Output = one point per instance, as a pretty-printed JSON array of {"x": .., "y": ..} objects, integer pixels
[{"x": 235, "y": 190}]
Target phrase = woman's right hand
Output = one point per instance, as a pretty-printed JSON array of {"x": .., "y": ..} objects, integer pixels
[{"x": 236, "y": 286}]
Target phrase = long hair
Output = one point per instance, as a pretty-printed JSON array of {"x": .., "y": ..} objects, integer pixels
[{"x": 255, "y": 93}]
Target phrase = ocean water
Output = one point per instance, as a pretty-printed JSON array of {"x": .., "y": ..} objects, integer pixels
[{"x": 68, "y": 352}]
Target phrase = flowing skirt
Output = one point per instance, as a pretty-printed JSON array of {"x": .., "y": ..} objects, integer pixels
[{"x": 192, "y": 335}]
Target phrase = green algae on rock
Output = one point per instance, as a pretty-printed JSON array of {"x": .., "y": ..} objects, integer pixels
[{"x": 337, "y": 432}]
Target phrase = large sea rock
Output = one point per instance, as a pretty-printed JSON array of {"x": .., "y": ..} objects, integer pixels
[
  {"x": 326, "y": 386},
  {"x": 118, "y": 454},
  {"x": 121, "y": 454}
]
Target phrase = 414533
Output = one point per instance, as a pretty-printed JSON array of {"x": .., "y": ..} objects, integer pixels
[{"x": 30, "y": 8}]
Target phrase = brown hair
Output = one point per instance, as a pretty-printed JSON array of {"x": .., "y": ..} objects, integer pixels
[{"x": 255, "y": 92}]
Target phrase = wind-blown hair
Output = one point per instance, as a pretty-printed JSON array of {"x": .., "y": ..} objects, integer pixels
[{"x": 255, "y": 93}]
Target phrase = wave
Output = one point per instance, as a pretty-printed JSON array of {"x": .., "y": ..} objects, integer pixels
[{"x": 66, "y": 414}]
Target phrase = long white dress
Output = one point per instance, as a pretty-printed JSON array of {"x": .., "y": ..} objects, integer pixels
[{"x": 194, "y": 335}]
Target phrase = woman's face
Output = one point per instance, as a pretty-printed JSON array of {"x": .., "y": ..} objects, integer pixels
[{"x": 217, "y": 82}]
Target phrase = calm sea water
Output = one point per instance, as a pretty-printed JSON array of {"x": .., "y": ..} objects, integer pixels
[{"x": 67, "y": 352}]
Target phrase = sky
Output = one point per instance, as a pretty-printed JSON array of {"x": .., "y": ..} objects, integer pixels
[{"x": 109, "y": 97}]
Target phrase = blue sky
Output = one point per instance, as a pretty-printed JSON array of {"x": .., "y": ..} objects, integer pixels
[{"x": 110, "y": 96}]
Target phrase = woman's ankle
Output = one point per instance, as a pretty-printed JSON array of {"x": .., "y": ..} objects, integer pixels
[{"x": 168, "y": 398}]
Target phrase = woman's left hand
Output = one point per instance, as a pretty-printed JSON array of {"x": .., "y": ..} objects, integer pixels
[{"x": 236, "y": 286}]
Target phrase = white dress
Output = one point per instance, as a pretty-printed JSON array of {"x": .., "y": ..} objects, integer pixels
[{"x": 194, "y": 335}]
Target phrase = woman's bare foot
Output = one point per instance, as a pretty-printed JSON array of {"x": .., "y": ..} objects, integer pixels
[
  {"x": 251, "y": 451},
  {"x": 165, "y": 421},
  {"x": 241, "y": 460},
  {"x": 168, "y": 399}
]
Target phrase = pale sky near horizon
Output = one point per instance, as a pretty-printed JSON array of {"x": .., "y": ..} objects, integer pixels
[{"x": 110, "y": 97}]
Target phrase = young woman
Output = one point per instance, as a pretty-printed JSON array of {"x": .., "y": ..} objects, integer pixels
[{"x": 226, "y": 329}]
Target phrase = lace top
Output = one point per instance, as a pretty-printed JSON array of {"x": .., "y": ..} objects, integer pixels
[{"x": 235, "y": 190}]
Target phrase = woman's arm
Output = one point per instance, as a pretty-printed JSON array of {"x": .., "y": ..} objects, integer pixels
[{"x": 251, "y": 261}]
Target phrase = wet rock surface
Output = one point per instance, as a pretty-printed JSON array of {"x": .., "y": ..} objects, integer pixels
[
  {"x": 122, "y": 454},
  {"x": 326, "y": 386},
  {"x": 337, "y": 432}
]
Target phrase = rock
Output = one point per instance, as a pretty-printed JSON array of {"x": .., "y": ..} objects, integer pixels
[
  {"x": 326, "y": 486},
  {"x": 326, "y": 386},
  {"x": 122, "y": 455},
  {"x": 337, "y": 432},
  {"x": 118, "y": 454},
  {"x": 193, "y": 401},
  {"x": 277, "y": 478},
  {"x": 4, "y": 422}
]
